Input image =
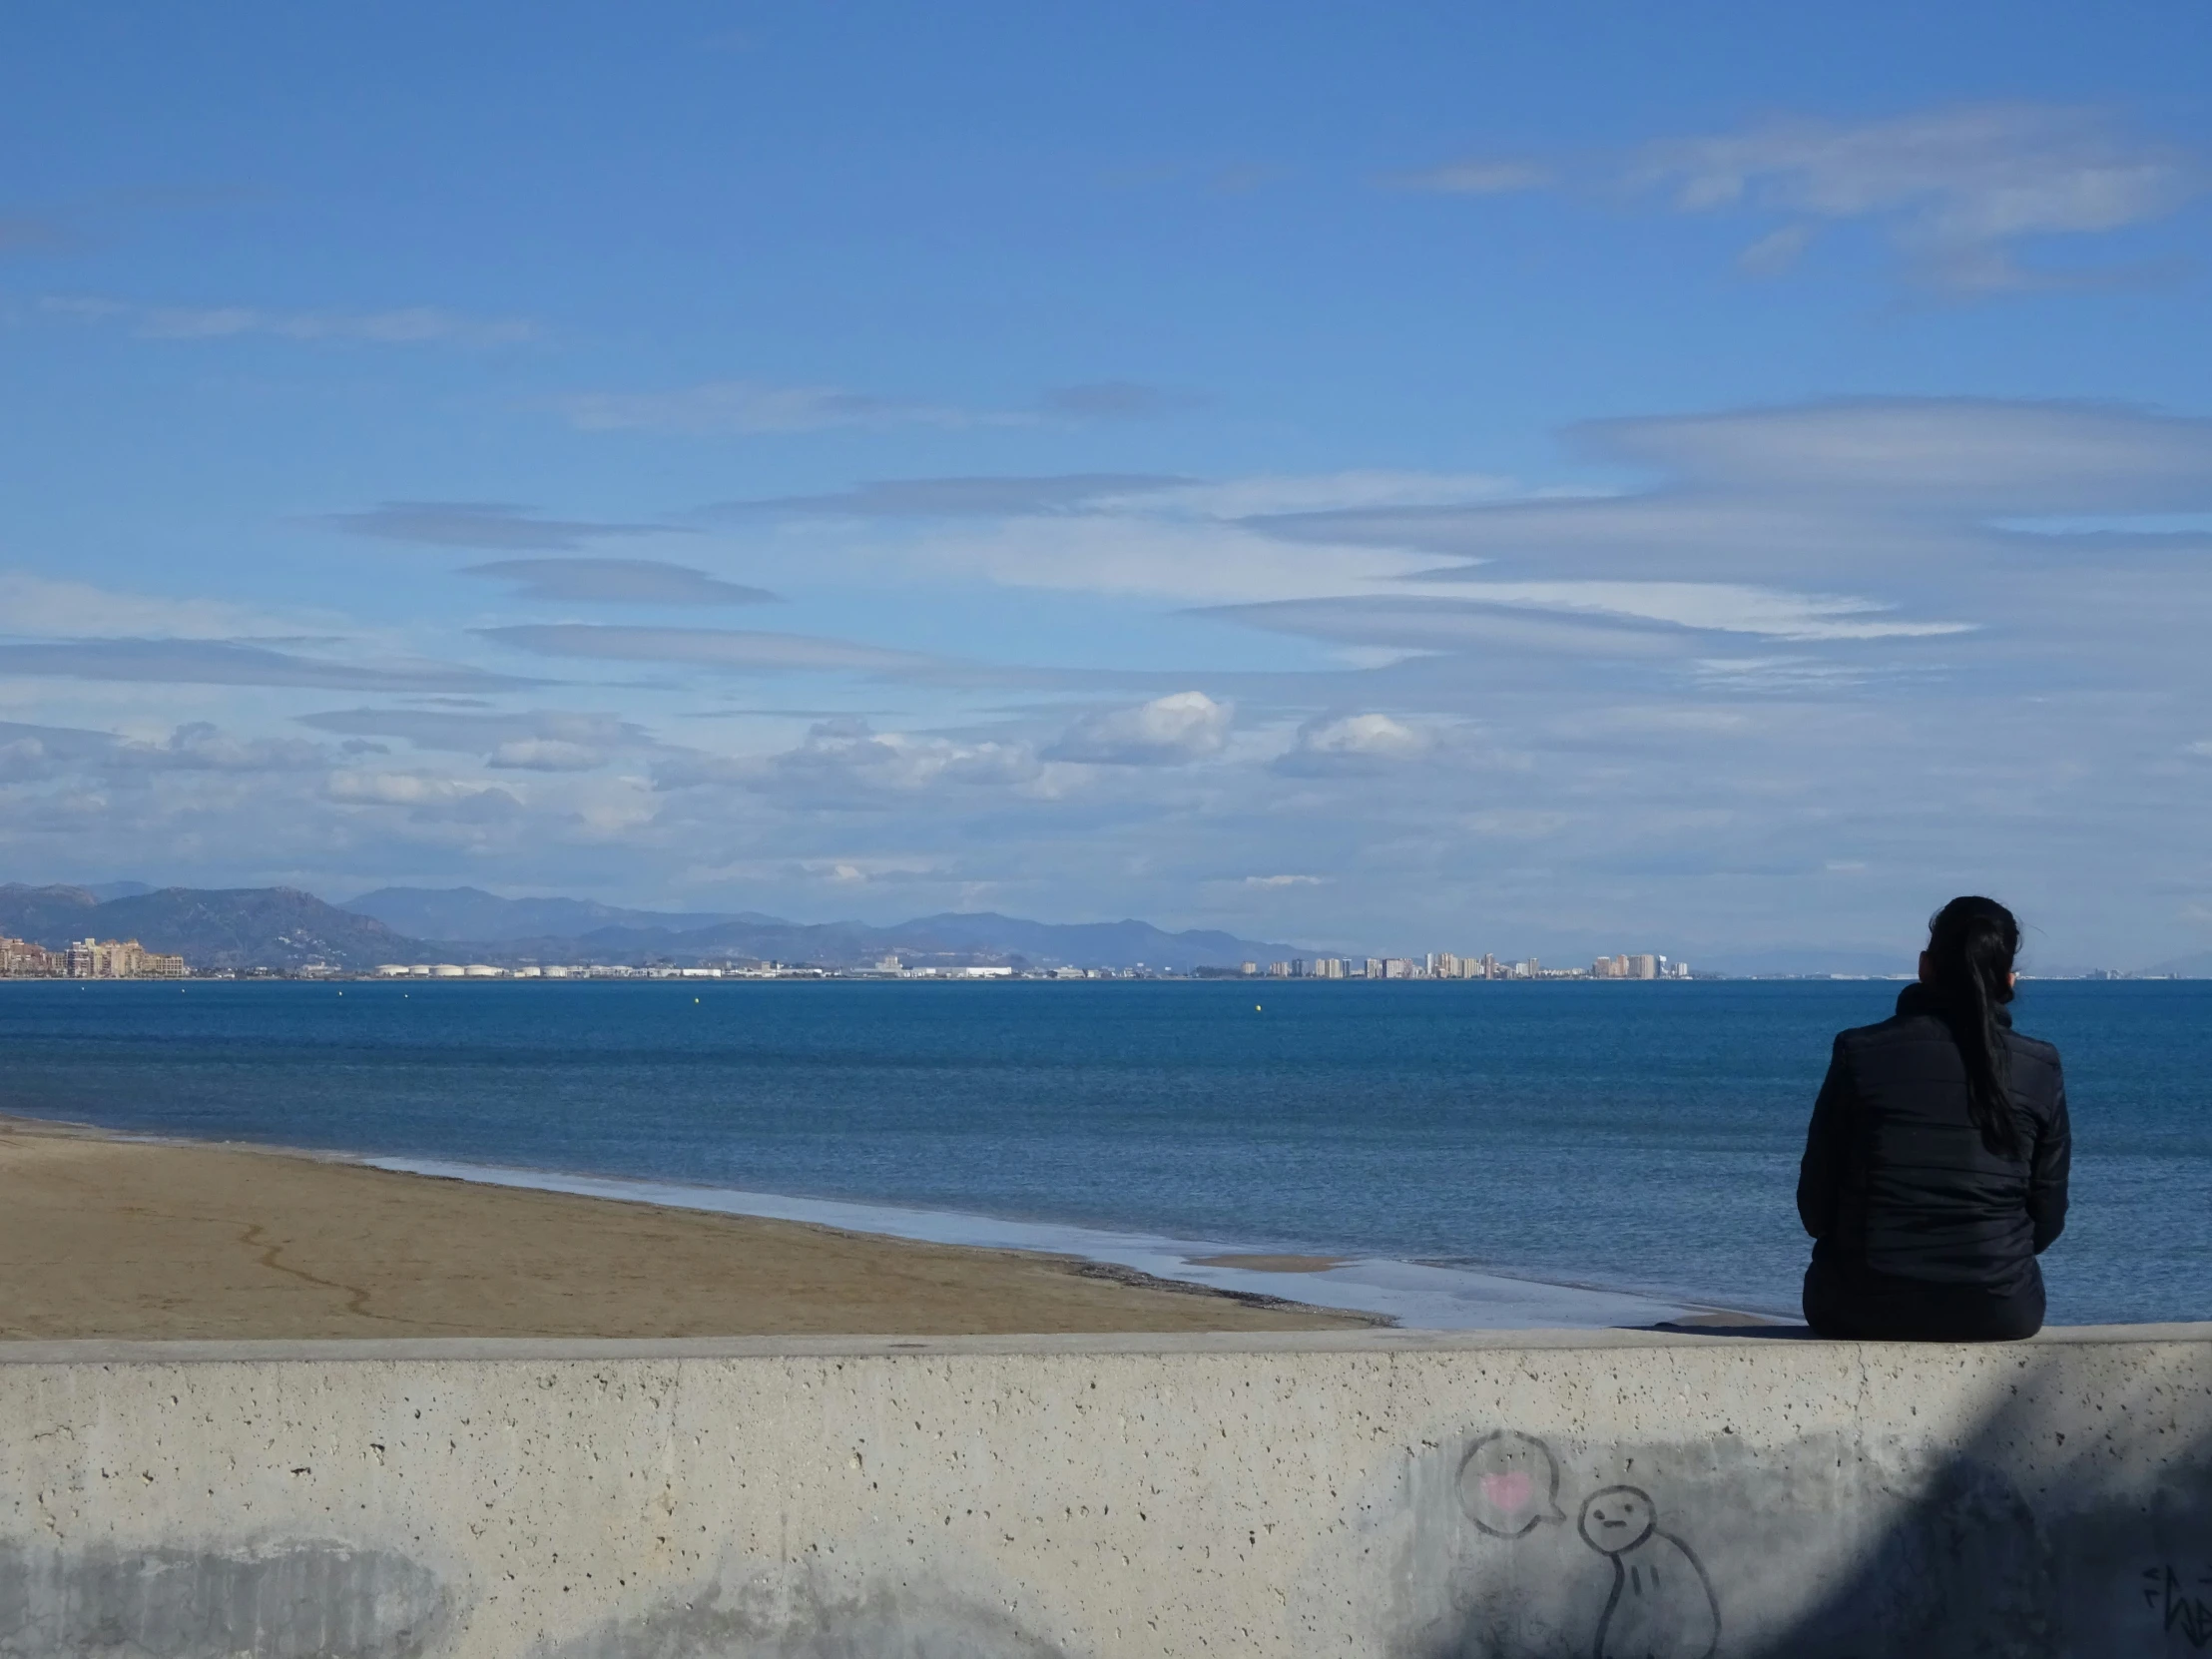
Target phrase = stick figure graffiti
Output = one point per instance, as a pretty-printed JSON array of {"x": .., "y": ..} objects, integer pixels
[
  {"x": 1508, "y": 1484},
  {"x": 1659, "y": 1601},
  {"x": 1662, "y": 1605}
]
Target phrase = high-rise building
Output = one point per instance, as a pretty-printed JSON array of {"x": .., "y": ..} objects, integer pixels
[
  {"x": 21, "y": 959},
  {"x": 1641, "y": 967},
  {"x": 1329, "y": 967},
  {"x": 117, "y": 959},
  {"x": 1374, "y": 967},
  {"x": 1278, "y": 971}
]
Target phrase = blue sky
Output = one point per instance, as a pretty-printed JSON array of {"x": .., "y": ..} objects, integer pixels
[{"x": 1706, "y": 478}]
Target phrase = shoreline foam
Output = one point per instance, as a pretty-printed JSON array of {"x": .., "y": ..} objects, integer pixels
[{"x": 1413, "y": 1295}]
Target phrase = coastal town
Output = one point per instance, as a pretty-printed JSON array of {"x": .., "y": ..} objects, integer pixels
[{"x": 90, "y": 959}]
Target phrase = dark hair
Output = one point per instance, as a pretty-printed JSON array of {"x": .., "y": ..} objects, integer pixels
[{"x": 1970, "y": 946}]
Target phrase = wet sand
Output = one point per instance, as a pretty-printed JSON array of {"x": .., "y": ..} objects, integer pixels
[{"x": 107, "y": 1237}]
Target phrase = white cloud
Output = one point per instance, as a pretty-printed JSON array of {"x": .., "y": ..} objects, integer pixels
[
  {"x": 405, "y": 325},
  {"x": 1959, "y": 188},
  {"x": 1852, "y": 489},
  {"x": 1272, "y": 882},
  {"x": 547, "y": 755},
  {"x": 617, "y": 582},
  {"x": 1719, "y": 606},
  {"x": 1352, "y": 743},
  {"x": 402, "y": 789},
  {"x": 846, "y": 764},
  {"x": 1167, "y": 731},
  {"x": 1194, "y": 563},
  {"x": 201, "y": 745},
  {"x": 1322, "y": 491},
  {"x": 518, "y": 739}
]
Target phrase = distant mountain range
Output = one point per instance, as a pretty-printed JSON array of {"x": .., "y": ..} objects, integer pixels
[
  {"x": 237, "y": 927},
  {"x": 474, "y": 915},
  {"x": 2196, "y": 965},
  {"x": 282, "y": 928},
  {"x": 568, "y": 929},
  {"x": 1809, "y": 962}
]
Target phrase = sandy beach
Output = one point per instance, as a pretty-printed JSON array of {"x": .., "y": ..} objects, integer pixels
[{"x": 108, "y": 1237}]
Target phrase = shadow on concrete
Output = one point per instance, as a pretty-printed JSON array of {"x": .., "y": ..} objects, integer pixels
[
  {"x": 2041, "y": 1535},
  {"x": 2070, "y": 1516}
]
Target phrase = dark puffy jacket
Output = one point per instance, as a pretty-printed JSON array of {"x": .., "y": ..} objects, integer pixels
[{"x": 1896, "y": 1177}]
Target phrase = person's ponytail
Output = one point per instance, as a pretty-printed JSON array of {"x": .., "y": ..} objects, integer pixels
[{"x": 1970, "y": 946}]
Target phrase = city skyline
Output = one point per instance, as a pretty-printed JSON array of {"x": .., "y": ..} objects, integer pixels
[{"x": 1723, "y": 477}]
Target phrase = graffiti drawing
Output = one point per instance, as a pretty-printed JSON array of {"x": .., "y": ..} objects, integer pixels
[
  {"x": 1662, "y": 1605},
  {"x": 2179, "y": 1610},
  {"x": 1508, "y": 1484}
]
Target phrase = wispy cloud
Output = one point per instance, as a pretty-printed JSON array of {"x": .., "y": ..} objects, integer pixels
[
  {"x": 1851, "y": 488},
  {"x": 1961, "y": 190},
  {"x": 1125, "y": 494},
  {"x": 41, "y": 607},
  {"x": 404, "y": 325},
  {"x": 1958, "y": 189},
  {"x": 732, "y": 651},
  {"x": 536, "y": 740},
  {"x": 223, "y": 663},
  {"x": 755, "y": 408},
  {"x": 37, "y": 752},
  {"x": 617, "y": 582},
  {"x": 985, "y": 497},
  {"x": 1476, "y": 176},
  {"x": 489, "y": 525},
  {"x": 1115, "y": 400}
]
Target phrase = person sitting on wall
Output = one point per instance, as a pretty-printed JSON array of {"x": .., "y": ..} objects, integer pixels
[{"x": 1936, "y": 1166}]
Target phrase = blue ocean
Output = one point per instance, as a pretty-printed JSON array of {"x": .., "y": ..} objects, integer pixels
[{"x": 1630, "y": 1137}]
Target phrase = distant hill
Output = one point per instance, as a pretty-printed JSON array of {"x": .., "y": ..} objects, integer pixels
[
  {"x": 2196, "y": 965},
  {"x": 471, "y": 914},
  {"x": 46, "y": 915},
  {"x": 282, "y": 928},
  {"x": 237, "y": 928},
  {"x": 951, "y": 938},
  {"x": 1809, "y": 960}
]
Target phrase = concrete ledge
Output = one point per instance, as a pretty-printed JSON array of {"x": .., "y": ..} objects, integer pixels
[
  {"x": 117, "y": 1350},
  {"x": 1402, "y": 1494}
]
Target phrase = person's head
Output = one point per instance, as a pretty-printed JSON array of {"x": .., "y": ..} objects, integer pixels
[{"x": 1968, "y": 963}]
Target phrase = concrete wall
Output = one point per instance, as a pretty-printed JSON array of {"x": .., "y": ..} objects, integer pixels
[{"x": 1388, "y": 1494}]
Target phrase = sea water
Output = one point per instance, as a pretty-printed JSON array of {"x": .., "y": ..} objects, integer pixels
[{"x": 1631, "y": 1137}]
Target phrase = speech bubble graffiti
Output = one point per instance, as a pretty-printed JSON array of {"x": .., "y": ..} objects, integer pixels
[{"x": 1508, "y": 1484}]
